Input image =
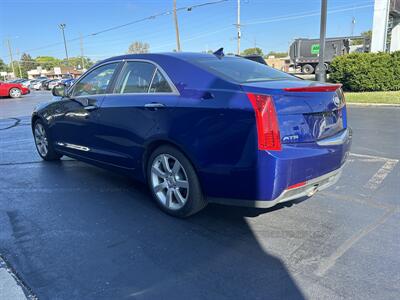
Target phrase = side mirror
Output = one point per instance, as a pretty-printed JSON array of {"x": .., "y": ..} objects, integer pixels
[{"x": 59, "y": 91}]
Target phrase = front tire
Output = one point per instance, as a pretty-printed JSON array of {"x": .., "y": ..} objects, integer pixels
[
  {"x": 173, "y": 182},
  {"x": 43, "y": 143},
  {"x": 15, "y": 93}
]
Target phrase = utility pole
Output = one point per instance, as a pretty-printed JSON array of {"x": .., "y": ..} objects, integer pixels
[
  {"x": 239, "y": 34},
  {"x": 178, "y": 43},
  {"x": 62, "y": 27},
  {"x": 81, "y": 45},
  {"x": 11, "y": 56},
  {"x": 320, "y": 74},
  {"x": 19, "y": 65}
]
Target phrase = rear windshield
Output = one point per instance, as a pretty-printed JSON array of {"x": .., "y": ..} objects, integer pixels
[{"x": 241, "y": 70}]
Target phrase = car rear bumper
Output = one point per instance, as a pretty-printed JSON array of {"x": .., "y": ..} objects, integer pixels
[
  {"x": 310, "y": 166},
  {"x": 309, "y": 189}
]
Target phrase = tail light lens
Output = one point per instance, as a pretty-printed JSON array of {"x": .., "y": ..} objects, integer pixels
[{"x": 267, "y": 122}]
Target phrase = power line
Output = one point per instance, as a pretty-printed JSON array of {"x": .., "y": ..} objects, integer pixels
[{"x": 165, "y": 13}]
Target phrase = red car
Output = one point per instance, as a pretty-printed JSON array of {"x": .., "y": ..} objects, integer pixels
[{"x": 13, "y": 90}]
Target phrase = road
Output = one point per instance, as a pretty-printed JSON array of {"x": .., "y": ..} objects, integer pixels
[{"x": 73, "y": 231}]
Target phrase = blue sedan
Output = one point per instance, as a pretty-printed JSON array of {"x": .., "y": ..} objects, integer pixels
[{"x": 200, "y": 128}]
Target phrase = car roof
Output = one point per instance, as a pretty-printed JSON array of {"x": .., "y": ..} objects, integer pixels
[{"x": 186, "y": 56}]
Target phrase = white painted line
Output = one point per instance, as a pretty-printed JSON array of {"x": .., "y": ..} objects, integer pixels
[
  {"x": 374, "y": 182},
  {"x": 379, "y": 176},
  {"x": 330, "y": 261},
  {"x": 371, "y": 156}
]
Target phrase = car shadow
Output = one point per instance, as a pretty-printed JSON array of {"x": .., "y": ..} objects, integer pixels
[{"x": 86, "y": 233}]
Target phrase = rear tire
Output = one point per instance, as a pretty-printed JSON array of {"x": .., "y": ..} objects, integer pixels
[
  {"x": 43, "y": 143},
  {"x": 173, "y": 182},
  {"x": 15, "y": 93},
  {"x": 308, "y": 69}
]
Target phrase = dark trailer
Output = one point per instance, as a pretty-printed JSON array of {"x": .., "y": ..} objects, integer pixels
[{"x": 304, "y": 52}]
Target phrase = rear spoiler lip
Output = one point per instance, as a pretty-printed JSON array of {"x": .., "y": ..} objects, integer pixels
[{"x": 314, "y": 88}]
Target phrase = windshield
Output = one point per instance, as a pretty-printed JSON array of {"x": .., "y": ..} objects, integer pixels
[{"x": 241, "y": 70}]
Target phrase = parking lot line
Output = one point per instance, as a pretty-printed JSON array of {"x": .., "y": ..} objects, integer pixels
[
  {"x": 330, "y": 261},
  {"x": 377, "y": 179},
  {"x": 381, "y": 174}
]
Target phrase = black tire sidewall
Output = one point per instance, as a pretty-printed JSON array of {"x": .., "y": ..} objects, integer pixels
[{"x": 196, "y": 200}]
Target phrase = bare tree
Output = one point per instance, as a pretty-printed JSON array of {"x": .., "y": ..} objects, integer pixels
[{"x": 138, "y": 47}]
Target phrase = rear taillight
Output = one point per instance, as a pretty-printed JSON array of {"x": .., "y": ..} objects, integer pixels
[{"x": 267, "y": 122}]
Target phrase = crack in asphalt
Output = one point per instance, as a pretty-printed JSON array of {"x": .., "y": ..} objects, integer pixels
[{"x": 16, "y": 123}]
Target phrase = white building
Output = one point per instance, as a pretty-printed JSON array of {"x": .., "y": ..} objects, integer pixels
[{"x": 386, "y": 26}]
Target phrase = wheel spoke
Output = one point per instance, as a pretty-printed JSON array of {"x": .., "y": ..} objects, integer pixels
[
  {"x": 176, "y": 167},
  {"x": 160, "y": 187},
  {"x": 158, "y": 172},
  {"x": 164, "y": 161},
  {"x": 168, "y": 199},
  {"x": 179, "y": 196},
  {"x": 182, "y": 184}
]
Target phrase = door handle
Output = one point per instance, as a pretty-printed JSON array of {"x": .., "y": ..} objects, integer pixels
[
  {"x": 154, "y": 105},
  {"x": 90, "y": 107}
]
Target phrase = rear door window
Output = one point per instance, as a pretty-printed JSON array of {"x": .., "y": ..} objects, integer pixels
[
  {"x": 136, "y": 77},
  {"x": 160, "y": 84}
]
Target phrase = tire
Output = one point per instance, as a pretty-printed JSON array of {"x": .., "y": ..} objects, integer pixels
[
  {"x": 308, "y": 69},
  {"x": 15, "y": 93},
  {"x": 43, "y": 143},
  {"x": 175, "y": 188}
]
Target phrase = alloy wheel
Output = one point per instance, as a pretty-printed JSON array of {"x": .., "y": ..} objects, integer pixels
[
  {"x": 169, "y": 181},
  {"x": 15, "y": 93},
  {"x": 41, "y": 139}
]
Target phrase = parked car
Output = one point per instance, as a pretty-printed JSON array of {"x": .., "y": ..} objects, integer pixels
[
  {"x": 26, "y": 83},
  {"x": 67, "y": 82},
  {"x": 13, "y": 90},
  {"x": 46, "y": 84},
  {"x": 200, "y": 128},
  {"x": 38, "y": 84},
  {"x": 53, "y": 83}
]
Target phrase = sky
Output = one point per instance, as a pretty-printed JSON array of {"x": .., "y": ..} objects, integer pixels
[{"x": 269, "y": 24}]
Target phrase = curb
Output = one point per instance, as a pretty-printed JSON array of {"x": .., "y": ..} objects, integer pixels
[{"x": 373, "y": 104}]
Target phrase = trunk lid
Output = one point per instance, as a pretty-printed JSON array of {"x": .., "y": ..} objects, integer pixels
[{"x": 307, "y": 111}]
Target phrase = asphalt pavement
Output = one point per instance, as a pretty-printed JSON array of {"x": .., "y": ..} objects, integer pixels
[{"x": 69, "y": 230}]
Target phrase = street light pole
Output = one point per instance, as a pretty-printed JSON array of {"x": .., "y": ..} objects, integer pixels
[
  {"x": 320, "y": 74},
  {"x": 62, "y": 27},
  {"x": 178, "y": 43}
]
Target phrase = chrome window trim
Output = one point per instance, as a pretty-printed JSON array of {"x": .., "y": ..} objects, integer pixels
[
  {"x": 72, "y": 88},
  {"x": 157, "y": 67}
]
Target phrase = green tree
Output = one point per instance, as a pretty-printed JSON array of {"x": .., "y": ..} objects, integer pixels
[
  {"x": 277, "y": 54},
  {"x": 47, "y": 62},
  {"x": 366, "y": 34},
  {"x": 3, "y": 66},
  {"x": 252, "y": 51},
  {"x": 27, "y": 62},
  {"x": 138, "y": 47},
  {"x": 78, "y": 62}
]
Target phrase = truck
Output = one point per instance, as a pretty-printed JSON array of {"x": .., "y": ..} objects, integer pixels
[{"x": 304, "y": 53}]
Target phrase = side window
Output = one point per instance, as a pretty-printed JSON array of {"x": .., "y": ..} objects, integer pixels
[
  {"x": 135, "y": 78},
  {"x": 160, "y": 84},
  {"x": 96, "y": 82}
]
